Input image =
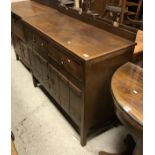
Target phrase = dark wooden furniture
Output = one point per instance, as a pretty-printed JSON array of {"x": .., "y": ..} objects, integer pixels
[
  {"x": 127, "y": 91},
  {"x": 72, "y": 60}
]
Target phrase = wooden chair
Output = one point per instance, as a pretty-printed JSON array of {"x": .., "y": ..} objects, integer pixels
[
  {"x": 123, "y": 14},
  {"x": 125, "y": 4}
]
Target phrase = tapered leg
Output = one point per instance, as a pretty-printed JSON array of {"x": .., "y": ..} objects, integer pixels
[
  {"x": 83, "y": 131},
  {"x": 105, "y": 153},
  {"x": 12, "y": 136},
  {"x": 139, "y": 146},
  {"x": 35, "y": 81},
  {"x": 17, "y": 57},
  {"x": 130, "y": 146},
  {"x": 83, "y": 138}
]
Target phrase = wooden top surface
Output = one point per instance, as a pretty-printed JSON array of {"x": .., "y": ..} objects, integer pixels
[
  {"x": 127, "y": 89},
  {"x": 84, "y": 40},
  {"x": 139, "y": 41},
  {"x": 26, "y": 9}
]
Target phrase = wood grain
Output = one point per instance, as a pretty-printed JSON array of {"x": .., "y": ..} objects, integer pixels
[
  {"x": 71, "y": 59},
  {"x": 84, "y": 40},
  {"x": 127, "y": 88}
]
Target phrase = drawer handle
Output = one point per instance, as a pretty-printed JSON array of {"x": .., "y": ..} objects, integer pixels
[
  {"x": 62, "y": 62},
  {"x": 69, "y": 60},
  {"x": 42, "y": 44}
]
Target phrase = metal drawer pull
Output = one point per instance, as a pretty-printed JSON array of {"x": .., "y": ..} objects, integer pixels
[
  {"x": 42, "y": 44},
  {"x": 69, "y": 60}
]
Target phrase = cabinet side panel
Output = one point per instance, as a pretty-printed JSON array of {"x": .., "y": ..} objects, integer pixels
[{"x": 99, "y": 108}]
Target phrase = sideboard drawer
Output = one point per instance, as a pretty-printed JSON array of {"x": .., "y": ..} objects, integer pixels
[
  {"x": 55, "y": 55},
  {"x": 17, "y": 27},
  {"x": 39, "y": 42},
  {"x": 70, "y": 65},
  {"x": 29, "y": 36},
  {"x": 73, "y": 67}
]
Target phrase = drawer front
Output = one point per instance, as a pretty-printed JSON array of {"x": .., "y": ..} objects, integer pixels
[
  {"x": 17, "y": 27},
  {"x": 55, "y": 55},
  {"x": 29, "y": 36},
  {"x": 73, "y": 68},
  {"x": 70, "y": 65},
  {"x": 39, "y": 42}
]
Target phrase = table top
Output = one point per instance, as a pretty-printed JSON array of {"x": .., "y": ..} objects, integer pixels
[
  {"x": 84, "y": 40},
  {"x": 127, "y": 90}
]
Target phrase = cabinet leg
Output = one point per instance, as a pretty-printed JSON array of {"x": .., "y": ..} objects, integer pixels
[
  {"x": 83, "y": 137},
  {"x": 35, "y": 81},
  {"x": 17, "y": 57},
  {"x": 83, "y": 131},
  {"x": 83, "y": 140},
  {"x": 130, "y": 144},
  {"x": 12, "y": 136}
]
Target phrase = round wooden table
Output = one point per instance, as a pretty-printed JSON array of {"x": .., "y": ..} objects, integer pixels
[{"x": 127, "y": 92}]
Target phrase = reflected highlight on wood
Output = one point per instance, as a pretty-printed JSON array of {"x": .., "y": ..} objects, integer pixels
[{"x": 127, "y": 87}]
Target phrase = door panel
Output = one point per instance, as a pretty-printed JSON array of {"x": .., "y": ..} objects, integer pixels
[
  {"x": 44, "y": 72},
  {"x": 36, "y": 65},
  {"x": 25, "y": 54},
  {"x": 54, "y": 84},
  {"x": 75, "y": 104},
  {"x": 16, "y": 43},
  {"x": 64, "y": 93}
]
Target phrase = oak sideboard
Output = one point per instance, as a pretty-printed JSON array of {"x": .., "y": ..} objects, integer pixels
[{"x": 72, "y": 59}]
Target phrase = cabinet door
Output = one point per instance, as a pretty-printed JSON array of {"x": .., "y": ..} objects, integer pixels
[
  {"x": 75, "y": 104},
  {"x": 35, "y": 62},
  {"x": 25, "y": 54},
  {"x": 39, "y": 67},
  {"x": 16, "y": 44},
  {"x": 64, "y": 93},
  {"x": 17, "y": 27},
  {"x": 54, "y": 84},
  {"x": 44, "y": 72}
]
